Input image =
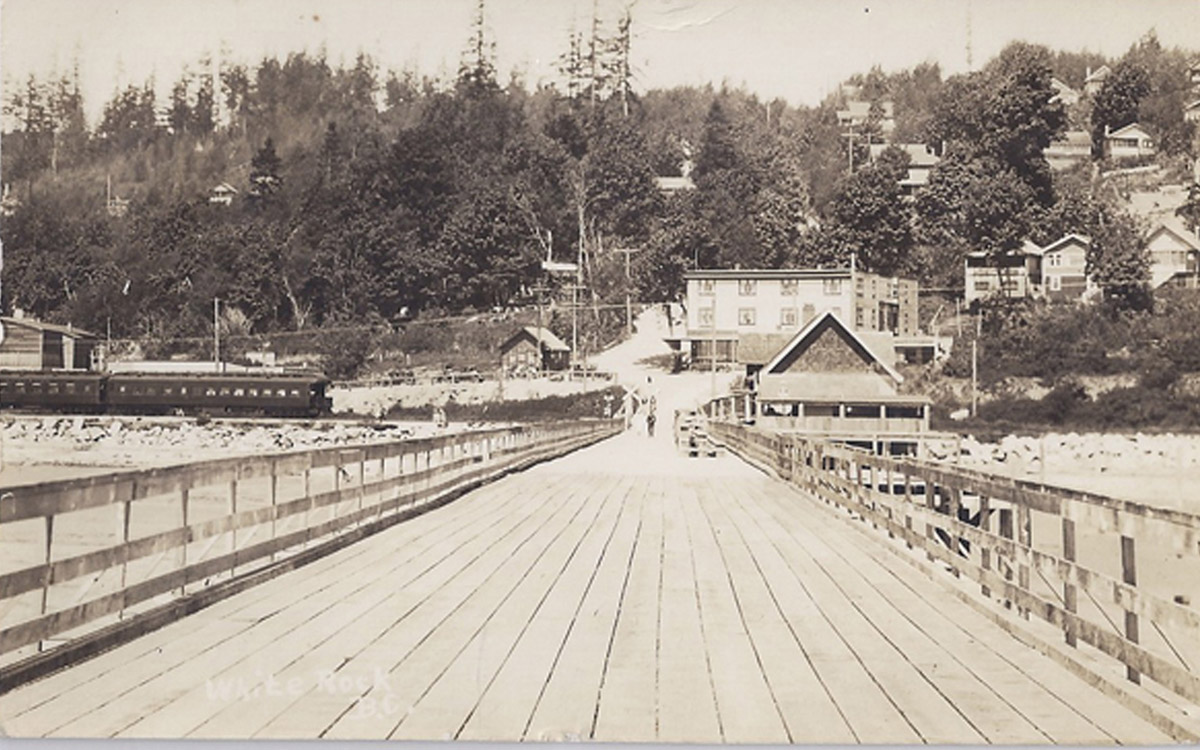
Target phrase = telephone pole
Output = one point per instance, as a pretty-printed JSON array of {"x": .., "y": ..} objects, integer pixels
[
  {"x": 216, "y": 335},
  {"x": 628, "y": 280}
]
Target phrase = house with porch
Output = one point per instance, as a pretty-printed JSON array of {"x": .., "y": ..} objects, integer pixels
[
  {"x": 921, "y": 161},
  {"x": 1129, "y": 142},
  {"x": 1015, "y": 274},
  {"x": 830, "y": 380},
  {"x": 1174, "y": 256}
]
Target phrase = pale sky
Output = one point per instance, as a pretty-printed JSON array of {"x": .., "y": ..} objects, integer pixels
[{"x": 795, "y": 49}]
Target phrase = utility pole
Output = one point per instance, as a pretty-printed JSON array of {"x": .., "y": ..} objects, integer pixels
[
  {"x": 628, "y": 279},
  {"x": 713, "y": 344},
  {"x": 975, "y": 366},
  {"x": 216, "y": 335}
]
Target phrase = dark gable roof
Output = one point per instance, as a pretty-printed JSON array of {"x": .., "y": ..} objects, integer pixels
[
  {"x": 551, "y": 342},
  {"x": 37, "y": 325},
  {"x": 799, "y": 343}
]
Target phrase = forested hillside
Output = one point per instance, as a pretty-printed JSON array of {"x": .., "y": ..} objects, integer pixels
[{"x": 367, "y": 195}]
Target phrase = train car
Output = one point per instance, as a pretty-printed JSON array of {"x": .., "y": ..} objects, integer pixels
[
  {"x": 247, "y": 394},
  {"x": 48, "y": 389}
]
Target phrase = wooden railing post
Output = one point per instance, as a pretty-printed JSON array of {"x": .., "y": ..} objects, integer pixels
[
  {"x": 46, "y": 557},
  {"x": 123, "y": 513},
  {"x": 1129, "y": 576},
  {"x": 274, "y": 503},
  {"x": 184, "y": 496},
  {"x": 985, "y": 552},
  {"x": 1024, "y": 547},
  {"x": 233, "y": 530},
  {"x": 1069, "y": 593},
  {"x": 1007, "y": 532}
]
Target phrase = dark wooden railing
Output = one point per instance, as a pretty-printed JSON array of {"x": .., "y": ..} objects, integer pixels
[
  {"x": 86, "y": 553},
  {"x": 980, "y": 526}
]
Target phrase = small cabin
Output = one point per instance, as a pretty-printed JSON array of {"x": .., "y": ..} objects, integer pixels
[
  {"x": 27, "y": 344},
  {"x": 521, "y": 351}
]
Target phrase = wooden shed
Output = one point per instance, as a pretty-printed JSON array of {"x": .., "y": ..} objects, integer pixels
[
  {"x": 27, "y": 344},
  {"x": 520, "y": 351}
]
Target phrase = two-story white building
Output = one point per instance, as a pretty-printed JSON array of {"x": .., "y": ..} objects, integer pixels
[
  {"x": 1064, "y": 269},
  {"x": 747, "y": 315},
  {"x": 1016, "y": 274}
]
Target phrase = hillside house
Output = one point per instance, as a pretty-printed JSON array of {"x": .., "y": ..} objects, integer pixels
[
  {"x": 521, "y": 351},
  {"x": 1129, "y": 142},
  {"x": 1064, "y": 270},
  {"x": 27, "y": 344},
  {"x": 1191, "y": 112},
  {"x": 222, "y": 194},
  {"x": 1174, "y": 256},
  {"x": 858, "y": 113},
  {"x": 1094, "y": 81},
  {"x": 1063, "y": 93},
  {"x": 1016, "y": 274},
  {"x": 1073, "y": 147},
  {"x": 828, "y": 380},
  {"x": 745, "y": 315},
  {"x": 921, "y": 160}
]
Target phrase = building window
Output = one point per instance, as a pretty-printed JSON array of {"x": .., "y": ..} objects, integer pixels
[
  {"x": 982, "y": 285},
  {"x": 832, "y": 286},
  {"x": 1056, "y": 283},
  {"x": 788, "y": 317},
  {"x": 706, "y": 286},
  {"x": 810, "y": 312},
  {"x": 858, "y": 317},
  {"x": 746, "y": 316},
  {"x": 706, "y": 317},
  {"x": 747, "y": 287},
  {"x": 789, "y": 287}
]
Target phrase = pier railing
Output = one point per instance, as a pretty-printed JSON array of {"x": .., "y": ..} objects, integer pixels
[
  {"x": 1021, "y": 543},
  {"x": 87, "y": 553}
]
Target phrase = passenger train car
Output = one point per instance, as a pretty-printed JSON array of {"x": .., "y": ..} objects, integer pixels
[{"x": 288, "y": 394}]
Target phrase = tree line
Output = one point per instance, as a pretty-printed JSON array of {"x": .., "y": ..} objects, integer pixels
[{"x": 370, "y": 196}]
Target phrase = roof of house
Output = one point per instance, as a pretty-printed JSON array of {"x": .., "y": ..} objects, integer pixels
[
  {"x": 548, "y": 339},
  {"x": 1028, "y": 247},
  {"x": 818, "y": 325},
  {"x": 1132, "y": 130},
  {"x": 768, "y": 273},
  {"x": 1099, "y": 74},
  {"x": 827, "y": 387},
  {"x": 38, "y": 325},
  {"x": 673, "y": 184},
  {"x": 1075, "y": 138},
  {"x": 1066, "y": 239},
  {"x": 1193, "y": 105},
  {"x": 224, "y": 187},
  {"x": 759, "y": 348},
  {"x": 919, "y": 155},
  {"x": 860, "y": 110},
  {"x": 1175, "y": 226}
]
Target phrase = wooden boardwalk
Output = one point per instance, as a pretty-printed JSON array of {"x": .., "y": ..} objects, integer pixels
[{"x": 623, "y": 593}]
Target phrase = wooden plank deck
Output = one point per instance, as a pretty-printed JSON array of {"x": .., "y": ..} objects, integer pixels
[{"x": 622, "y": 593}]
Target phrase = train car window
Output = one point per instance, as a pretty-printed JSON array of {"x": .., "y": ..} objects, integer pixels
[
  {"x": 239, "y": 391},
  {"x": 210, "y": 391},
  {"x": 121, "y": 388},
  {"x": 253, "y": 392},
  {"x": 282, "y": 393},
  {"x": 295, "y": 392},
  {"x": 70, "y": 387},
  {"x": 183, "y": 390},
  {"x": 224, "y": 391},
  {"x": 168, "y": 390}
]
